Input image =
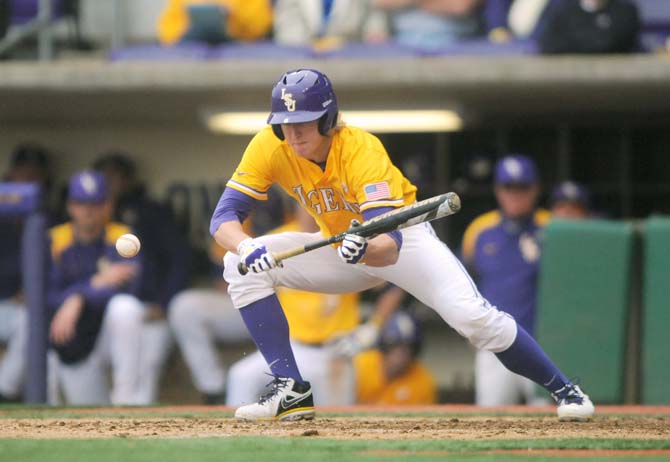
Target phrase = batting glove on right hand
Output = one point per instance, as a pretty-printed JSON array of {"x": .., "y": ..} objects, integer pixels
[
  {"x": 255, "y": 256},
  {"x": 353, "y": 247}
]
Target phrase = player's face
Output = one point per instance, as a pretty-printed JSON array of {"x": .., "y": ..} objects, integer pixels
[
  {"x": 306, "y": 141},
  {"x": 567, "y": 210},
  {"x": 89, "y": 218},
  {"x": 517, "y": 201},
  {"x": 397, "y": 360}
]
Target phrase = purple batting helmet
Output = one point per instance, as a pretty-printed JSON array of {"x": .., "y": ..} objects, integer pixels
[{"x": 302, "y": 96}]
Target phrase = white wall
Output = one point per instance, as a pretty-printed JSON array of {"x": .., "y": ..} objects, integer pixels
[{"x": 139, "y": 18}]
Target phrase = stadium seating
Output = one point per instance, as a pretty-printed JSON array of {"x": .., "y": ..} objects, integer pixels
[
  {"x": 583, "y": 302},
  {"x": 656, "y": 316}
]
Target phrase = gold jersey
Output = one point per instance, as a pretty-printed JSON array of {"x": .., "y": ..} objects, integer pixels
[{"x": 358, "y": 175}]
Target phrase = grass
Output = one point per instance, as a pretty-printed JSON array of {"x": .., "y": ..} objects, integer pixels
[
  {"x": 298, "y": 449},
  {"x": 242, "y": 449}
]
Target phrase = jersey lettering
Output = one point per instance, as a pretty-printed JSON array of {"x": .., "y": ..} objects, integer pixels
[{"x": 331, "y": 204}]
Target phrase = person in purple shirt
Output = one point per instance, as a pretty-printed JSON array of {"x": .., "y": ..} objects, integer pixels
[
  {"x": 501, "y": 248},
  {"x": 165, "y": 260},
  {"x": 96, "y": 319}
]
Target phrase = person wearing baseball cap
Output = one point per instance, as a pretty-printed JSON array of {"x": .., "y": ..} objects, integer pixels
[
  {"x": 91, "y": 297},
  {"x": 502, "y": 249},
  {"x": 571, "y": 201}
]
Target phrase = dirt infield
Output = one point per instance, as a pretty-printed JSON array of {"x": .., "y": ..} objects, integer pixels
[{"x": 352, "y": 428}]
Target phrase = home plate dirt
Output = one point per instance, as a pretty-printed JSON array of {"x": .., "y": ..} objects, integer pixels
[{"x": 351, "y": 427}]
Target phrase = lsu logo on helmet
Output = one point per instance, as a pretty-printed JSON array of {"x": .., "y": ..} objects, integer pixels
[{"x": 288, "y": 100}]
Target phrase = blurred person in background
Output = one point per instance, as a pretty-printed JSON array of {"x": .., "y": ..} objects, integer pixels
[
  {"x": 591, "y": 26},
  {"x": 431, "y": 23},
  {"x": 96, "y": 320},
  {"x": 327, "y": 23},
  {"x": 502, "y": 250},
  {"x": 392, "y": 374},
  {"x": 325, "y": 335},
  {"x": 570, "y": 201},
  {"x": 29, "y": 163},
  {"x": 165, "y": 260},
  {"x": 214, "y": 21},
  {"x": 507, "y": 20},
  {"x": 201, "y": 319}
]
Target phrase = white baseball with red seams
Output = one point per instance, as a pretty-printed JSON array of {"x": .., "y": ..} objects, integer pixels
[{"x": 128, "y": 245}]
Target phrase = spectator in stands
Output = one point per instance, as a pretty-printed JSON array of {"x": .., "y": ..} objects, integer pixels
[
  {"x": 431, "y": 23},
  {"x": 392, "y": 374},
  {"x": 165, "y": 260},
  {"x": 96, "y": 318},
  {"x": 591, "y": 26},
  {"x": 502, "y": 250},
  {"x": 29, "y": 164},
  {"x": 327, "y": 23},
  {"x": 506, "y": 20},
  {"x": 571, "y": 201},
  {"x": 214, "y": 21}
]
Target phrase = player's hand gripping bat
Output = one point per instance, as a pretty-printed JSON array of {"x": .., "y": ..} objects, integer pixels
[{"x": 403, "y": 217}]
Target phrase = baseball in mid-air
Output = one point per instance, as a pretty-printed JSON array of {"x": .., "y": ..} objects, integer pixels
[{"x": 128, "y": 245}]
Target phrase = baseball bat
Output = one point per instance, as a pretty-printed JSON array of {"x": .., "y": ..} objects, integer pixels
[{"x": 420, "y": 212}]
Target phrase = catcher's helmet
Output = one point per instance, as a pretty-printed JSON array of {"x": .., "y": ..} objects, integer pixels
[
  {"x": 303, "y": 95},
  {"x": 401, "y": 329}
]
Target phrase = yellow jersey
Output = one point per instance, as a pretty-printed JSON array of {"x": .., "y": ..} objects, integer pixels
[
  {"x": 247, "y": 19},
  {"x": 416, "y": 386},
  {"x": 358, "y": 175}
]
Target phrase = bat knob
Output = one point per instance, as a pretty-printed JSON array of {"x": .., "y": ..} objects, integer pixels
[
  {"x": 454, "y": 202},
  {"x": 354, "y": 223},
  {"x": 242, "y": 268}
]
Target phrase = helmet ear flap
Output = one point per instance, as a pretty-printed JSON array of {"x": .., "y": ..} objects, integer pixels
[
  {"x": 327, "y": 122},
  {"x": 276, "y": 129}
]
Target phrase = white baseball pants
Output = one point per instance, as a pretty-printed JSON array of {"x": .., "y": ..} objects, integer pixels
[
  {"x": 14, "y": 334},
  {"x": 199, "y": 318},
  {"x": 426, "y": 268},
  {"x": 118, "y": 347}
]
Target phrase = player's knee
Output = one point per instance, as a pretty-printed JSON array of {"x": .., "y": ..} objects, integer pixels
[
  {"x": 181, "y": 309},
  {"x": 125, "y": 308}
]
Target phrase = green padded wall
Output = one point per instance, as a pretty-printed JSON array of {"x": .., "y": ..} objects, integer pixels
[
  {"x": 656, "y": 313},
  {"x": 583, "y": 302}
]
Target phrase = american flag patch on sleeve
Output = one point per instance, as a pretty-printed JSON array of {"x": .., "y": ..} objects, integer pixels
[{"x": 376, "y": 191}]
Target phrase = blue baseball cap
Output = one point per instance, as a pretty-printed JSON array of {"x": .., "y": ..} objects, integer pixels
[
  {"x": 569, "y": 191},
  {"x": 516, "y": 169},
  {"x": 88, "y": 186}
]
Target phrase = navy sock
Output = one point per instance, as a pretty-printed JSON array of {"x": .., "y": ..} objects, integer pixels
[
  {"x": 267, "y": 324},
  {"x": 526, "y": 357}
]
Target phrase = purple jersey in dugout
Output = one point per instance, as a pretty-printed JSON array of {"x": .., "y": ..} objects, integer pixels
[
  {"x": 504, "y": 257},
  {"x": 72, "y": 266}
]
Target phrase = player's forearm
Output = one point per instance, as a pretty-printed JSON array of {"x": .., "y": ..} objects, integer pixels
[
  {"x": 229, "y": 235},
  {"x": 382, "y": 251}
]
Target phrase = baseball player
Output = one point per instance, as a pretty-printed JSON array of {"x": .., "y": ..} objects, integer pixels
[
  {"x": 391, "y": 375},
  {"x": 338, "y": 174},
  {"x": 502, "y": 249},
  {"x": 96, "y": 321},
  {"x": 570, "y": 201},
  {"x": 165, "y": 262}
]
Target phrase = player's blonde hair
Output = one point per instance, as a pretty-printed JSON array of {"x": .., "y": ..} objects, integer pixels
[{"x": 339, "y": 124}]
